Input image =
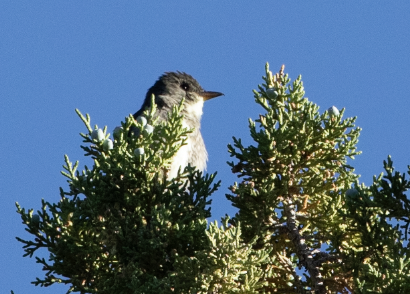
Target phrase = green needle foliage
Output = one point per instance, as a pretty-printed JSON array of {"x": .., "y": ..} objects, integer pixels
[
  {"x": 122, "y": 224},
  {"x": 304, "y": 223}
]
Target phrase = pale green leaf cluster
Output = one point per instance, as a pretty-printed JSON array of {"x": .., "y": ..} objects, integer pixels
[
  {"x": 228, "y": 266},
  {"x": 122, "y": 223}
]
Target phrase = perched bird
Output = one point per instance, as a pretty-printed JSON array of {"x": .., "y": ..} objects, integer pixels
[{"x": 169, "y": 90}]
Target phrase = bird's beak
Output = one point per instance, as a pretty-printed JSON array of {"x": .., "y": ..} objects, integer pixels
[{"x": 209, "y": 95}]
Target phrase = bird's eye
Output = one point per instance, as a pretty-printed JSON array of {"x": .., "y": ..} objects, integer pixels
[{"x": 185, "y": 86}]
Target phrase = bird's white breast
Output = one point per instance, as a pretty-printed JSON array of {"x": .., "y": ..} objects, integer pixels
[
  {"x": 180, "y": 160},
  {"x": 186, "y": 154}
]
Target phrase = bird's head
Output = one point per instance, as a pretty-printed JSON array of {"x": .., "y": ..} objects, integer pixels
[{"x": 172, "y": 87}]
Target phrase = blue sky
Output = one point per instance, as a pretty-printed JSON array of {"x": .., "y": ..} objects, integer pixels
[{"x": 102, "y": 56}]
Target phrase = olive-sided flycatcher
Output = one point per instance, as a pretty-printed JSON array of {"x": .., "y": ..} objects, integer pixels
[{"x": 169, "y": 90}]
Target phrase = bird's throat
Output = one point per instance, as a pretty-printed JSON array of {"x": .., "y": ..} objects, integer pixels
[{"x": 193, "y": 111}]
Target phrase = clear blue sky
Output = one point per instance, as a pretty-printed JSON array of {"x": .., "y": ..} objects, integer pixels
[{"x": 102, "y": 56}]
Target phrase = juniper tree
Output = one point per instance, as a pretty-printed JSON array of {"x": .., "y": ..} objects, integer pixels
[{"x": 304, "y": 223}]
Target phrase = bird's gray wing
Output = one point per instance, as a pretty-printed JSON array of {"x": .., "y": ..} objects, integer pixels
[{"x": 161, "y": 113}]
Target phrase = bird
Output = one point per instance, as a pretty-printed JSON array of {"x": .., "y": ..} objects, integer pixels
[{"x": 169, "y": 90}]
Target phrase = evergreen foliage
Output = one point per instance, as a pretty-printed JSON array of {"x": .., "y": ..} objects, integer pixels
[{"x": 304, "y": 223}]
